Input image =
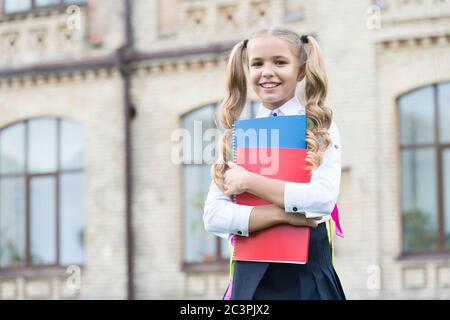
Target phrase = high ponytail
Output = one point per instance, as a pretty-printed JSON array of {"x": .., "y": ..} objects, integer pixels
[
  {"x": 231, "y": 108},
  {"x": 320, "y": 116}
]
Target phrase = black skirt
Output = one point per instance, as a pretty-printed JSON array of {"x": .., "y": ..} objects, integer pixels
[{"x": 316, "y": 280}]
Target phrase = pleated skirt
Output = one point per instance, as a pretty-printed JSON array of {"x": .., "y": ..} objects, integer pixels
[{"x": 316, "y": 280}]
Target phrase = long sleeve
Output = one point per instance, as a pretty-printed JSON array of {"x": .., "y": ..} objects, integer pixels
[
  {"x": 319, "y": 196},
  {"x": 224, "y": 217}
]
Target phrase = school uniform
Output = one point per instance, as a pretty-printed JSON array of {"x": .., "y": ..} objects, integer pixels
[{"x": 272, "y": 281}]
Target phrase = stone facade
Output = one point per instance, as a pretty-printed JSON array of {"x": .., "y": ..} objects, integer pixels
[{"x": 372, "y": 55}]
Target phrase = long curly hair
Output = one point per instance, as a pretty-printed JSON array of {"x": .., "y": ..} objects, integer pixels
[{"x": 319, "y": 116}]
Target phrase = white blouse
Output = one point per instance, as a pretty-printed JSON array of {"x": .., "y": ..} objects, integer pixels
[{"x": 317, "y": 198}]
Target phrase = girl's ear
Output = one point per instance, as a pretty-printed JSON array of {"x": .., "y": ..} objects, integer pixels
[{"x": 301, "y": 73}]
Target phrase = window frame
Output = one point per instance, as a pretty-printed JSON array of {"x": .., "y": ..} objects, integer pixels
[
  {"x": 438, "y": 148},
  {"x": 27, "y": 267},
  {"x": 36, "y": 8},
  {"x": 219, "y": 263}
]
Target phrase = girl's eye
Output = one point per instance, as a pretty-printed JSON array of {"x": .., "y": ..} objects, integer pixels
[{"x": 276, "y": 62}]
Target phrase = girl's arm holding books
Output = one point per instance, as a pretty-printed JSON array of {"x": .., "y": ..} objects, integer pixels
[
  {"x": 224, "y": 217},
  {"x": 318, "y": 196}
]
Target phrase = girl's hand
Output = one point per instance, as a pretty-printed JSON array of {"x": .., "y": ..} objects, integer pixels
[
  {"x": 299, "y": 220},
  {"x": 235, "y": 179}
]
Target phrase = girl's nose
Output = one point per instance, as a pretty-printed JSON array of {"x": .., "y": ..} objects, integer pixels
[{"x": 267, "y": 71}]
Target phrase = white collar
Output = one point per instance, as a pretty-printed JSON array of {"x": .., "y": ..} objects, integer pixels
[{"x": 289, "y": 108}]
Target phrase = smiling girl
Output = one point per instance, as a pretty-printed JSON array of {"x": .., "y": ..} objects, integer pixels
[{"x": 276, "y": 60}]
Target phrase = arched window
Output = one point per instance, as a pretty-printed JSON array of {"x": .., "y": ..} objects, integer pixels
[
  {"x": 41, "y": 193},
  {"x": 425, "y": 168},
  {"x": 199, "y": 246}
]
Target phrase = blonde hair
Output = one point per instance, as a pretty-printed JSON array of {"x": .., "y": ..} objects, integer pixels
[{"x": 318, "y": 114}]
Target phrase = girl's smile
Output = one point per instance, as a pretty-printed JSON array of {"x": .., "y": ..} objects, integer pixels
[{"x": 270, "y": 86}]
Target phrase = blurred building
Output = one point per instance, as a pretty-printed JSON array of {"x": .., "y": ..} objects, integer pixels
[{"x": 92, "y": 203}]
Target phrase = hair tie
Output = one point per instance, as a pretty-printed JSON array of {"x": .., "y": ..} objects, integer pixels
[
  {"x": 304, "y": 39},
  {"x": 245, "y": 43}
]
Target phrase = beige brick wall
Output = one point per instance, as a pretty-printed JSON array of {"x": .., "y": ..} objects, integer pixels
[{"x": 91, "y": 31}]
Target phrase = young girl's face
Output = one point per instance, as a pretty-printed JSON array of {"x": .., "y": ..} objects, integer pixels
[{"x": 274, "y": 70}]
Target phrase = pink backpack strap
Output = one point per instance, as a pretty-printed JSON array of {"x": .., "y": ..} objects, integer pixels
[{"x": 335, "y": 217}]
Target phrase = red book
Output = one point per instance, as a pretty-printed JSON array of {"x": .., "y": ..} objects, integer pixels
[{"x": 281, "y": 243}]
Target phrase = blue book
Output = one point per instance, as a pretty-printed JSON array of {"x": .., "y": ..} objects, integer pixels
[{"x": 270, "y": 132}]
